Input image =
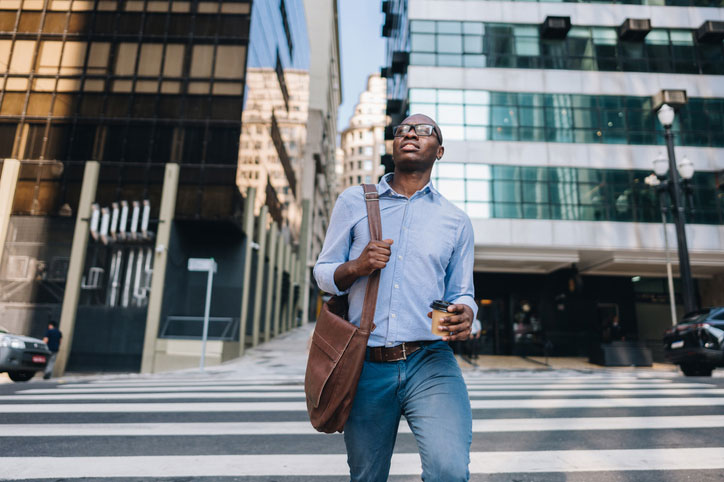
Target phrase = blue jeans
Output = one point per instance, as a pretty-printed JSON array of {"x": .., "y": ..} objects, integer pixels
[{"x": 429, "y": 390}]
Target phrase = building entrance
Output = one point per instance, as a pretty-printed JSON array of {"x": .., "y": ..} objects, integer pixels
[{"x": 560, "y": 313}]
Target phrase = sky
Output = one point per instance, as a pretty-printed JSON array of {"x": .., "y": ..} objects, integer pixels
[{"x": 362, "y": 50}]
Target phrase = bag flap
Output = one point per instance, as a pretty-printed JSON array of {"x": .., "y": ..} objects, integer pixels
[{"x": 331, "y": 337}]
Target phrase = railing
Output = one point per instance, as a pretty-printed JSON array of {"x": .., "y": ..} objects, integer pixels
[{"x": 190, "y": 327}]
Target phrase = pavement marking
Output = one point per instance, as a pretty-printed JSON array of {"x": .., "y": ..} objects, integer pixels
[
  {"x": 305, "y": 428},
  {"x": 18, "y": 468},
  {"x": 551, "y": 403},
  {"x": 299, "y": 388},
  {"x": 484, "y": 380},
  {"x": 300, "y": 394},
  {"x": 153, "y": 396}
]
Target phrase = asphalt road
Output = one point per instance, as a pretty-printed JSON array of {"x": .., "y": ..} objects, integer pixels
[{"x": 528, "y": 426}]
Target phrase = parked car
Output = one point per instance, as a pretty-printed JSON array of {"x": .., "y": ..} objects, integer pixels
[
  {"x": 22, "y": 356},
  {"x": 696, "y": 344}
]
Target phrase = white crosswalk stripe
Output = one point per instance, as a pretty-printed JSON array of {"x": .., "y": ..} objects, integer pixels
[{"x": 159, "y": 414}]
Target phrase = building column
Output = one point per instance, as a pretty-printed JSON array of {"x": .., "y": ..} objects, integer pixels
[
  {"x": 158, "y": 279},
  {"x": 280, "y": 262},
  {"x": 305, "y": 242},
  {"x": 291, "y": 257},
  {"x": 259, "y": 281},
  {"x": 77, "y": 263},
  {"x": 293, "y": 275},
  {"x": 270, "y": 282},
  {"x": 8, "y": 182},
  {"x": 248, "y": 228}
]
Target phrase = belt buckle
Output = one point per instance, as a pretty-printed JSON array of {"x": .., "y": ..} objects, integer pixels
[{"x": 404, "y": 352}]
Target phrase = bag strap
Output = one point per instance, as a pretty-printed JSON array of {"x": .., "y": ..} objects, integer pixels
[{"x": 373, "y": 281}]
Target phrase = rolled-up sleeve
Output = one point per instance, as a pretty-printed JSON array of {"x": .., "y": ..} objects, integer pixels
[
  {"x": 335, "y": 250},
  {"x": 459, "y": 286}
]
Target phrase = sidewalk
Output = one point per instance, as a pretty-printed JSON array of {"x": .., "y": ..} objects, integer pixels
[
  {"x": 284, "y": 358},
  {"x": 287, "y": 354}
]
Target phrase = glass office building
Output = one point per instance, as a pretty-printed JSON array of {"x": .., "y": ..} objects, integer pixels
[
  {"x": 550, "y": 130},
  {"x": 153, "y": 92}
]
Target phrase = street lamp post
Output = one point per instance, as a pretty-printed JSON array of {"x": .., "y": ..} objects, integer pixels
[
  {"x": 655, "y": 182},
  {"x": 673, "y": 185}
]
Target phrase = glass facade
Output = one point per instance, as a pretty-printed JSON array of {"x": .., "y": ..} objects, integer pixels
[
  {"x": 518, "y": 116},
  {"x": 479, "y": 44},
  {"x": 275, "y": 113},
  {"x": 568, "y": 193},
  {"x": 131, "y": 81}
]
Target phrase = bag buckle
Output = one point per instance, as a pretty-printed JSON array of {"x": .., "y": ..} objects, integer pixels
[{"x": 371, "y": 196}]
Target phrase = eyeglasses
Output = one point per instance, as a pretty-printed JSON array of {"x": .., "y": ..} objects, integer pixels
[{"x": 420, "y": 129}]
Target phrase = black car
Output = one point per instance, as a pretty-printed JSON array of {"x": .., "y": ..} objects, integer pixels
[
  {"x": 22, "y": 356},
  {"x": 696, "y": 344}
]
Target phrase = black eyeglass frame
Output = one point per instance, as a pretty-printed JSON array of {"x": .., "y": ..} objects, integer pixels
[{"x": 415, "y": 126}]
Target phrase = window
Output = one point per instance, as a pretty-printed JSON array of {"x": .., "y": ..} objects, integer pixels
[
  {"x": 506, "y": 116},
  {"x": 505, "y": 191},
  {"x": 22, "y": 57},
  {"x": 126, "y": 59},
  {"x": 230, "y": 62},
  {"x": 73, "y": 58},
  {"x": 98, "y": 58},
  {"x": 7, "y": 139},
  {"x": 201, "y": 59},
  {"x": 173, "y": 64},
  {"x": 149, "y": 63},
  {"x": 49, "y": 57},
  {"x": 477, "y": 44}
]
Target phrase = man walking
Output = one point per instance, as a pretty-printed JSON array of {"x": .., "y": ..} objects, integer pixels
[
  {"x": 426, "y": 254},
  {"x": 52, "y": 339}
]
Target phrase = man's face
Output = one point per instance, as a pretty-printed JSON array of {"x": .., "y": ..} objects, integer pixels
[{"x": 416, "y": 153}]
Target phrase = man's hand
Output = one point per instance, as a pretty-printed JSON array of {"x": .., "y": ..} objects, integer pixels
[
  {"x": 459, "y": 325},
  {"x": 375, "y": 256}
]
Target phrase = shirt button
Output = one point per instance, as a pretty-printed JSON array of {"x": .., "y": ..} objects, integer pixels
[
  {"x": 393, "y": 315},
  {"x": 396, "y": 285},
  {"x": 399, "y": 257}
]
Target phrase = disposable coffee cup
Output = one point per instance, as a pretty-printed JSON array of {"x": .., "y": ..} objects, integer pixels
[{"x": 439, "y": 309}]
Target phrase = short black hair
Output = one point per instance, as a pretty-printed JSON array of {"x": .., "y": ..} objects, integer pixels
[{"x": 53, "y": 323}]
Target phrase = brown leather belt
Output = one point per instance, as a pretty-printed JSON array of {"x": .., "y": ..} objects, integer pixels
[{"x": 394, "y": 353}]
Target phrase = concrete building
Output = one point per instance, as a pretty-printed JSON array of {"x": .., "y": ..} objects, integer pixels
[
  {"x": 120, "y": 128},
  {"x": 549, "y": 128},
  {"x": 363, "y": 141}
]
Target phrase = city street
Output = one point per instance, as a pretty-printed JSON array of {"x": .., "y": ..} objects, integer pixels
[{"x": 247, "y": 421}]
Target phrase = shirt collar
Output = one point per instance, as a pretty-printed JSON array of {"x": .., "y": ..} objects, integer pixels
[{"x": 384, "y": 188}]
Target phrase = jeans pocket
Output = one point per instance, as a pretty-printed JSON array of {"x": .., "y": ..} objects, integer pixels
[{"x": 437, "y": 346}]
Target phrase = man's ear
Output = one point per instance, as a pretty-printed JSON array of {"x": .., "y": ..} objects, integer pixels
[{"x": 440, "y": 152}]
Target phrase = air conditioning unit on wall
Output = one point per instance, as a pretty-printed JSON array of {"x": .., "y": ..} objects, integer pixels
[
  {"x": 710, "y": 32},
  {"x": 634, "y": 29},
  {"x": 555, "y": 27}
]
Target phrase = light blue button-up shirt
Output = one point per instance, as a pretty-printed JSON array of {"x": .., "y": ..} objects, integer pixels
[{"x": 432, "y": 259}]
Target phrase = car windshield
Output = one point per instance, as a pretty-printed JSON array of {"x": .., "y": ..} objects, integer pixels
[{"x": 696, "y": 317}]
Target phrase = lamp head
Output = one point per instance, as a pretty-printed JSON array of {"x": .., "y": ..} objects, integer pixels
[
  {"x": 661, "y": 165},
  {"x": 685, "y": 168},
  {"x": 666, "y": 115}
]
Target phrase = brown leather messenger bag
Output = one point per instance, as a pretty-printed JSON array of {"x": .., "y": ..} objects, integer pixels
[{"x": 337, "y": 351}]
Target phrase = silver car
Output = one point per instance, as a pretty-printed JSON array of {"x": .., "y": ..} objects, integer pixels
[{"x": 22, "y": 356}]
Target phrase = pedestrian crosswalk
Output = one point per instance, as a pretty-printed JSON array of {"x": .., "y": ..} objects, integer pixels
[{"x": 203, "y": 427}]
